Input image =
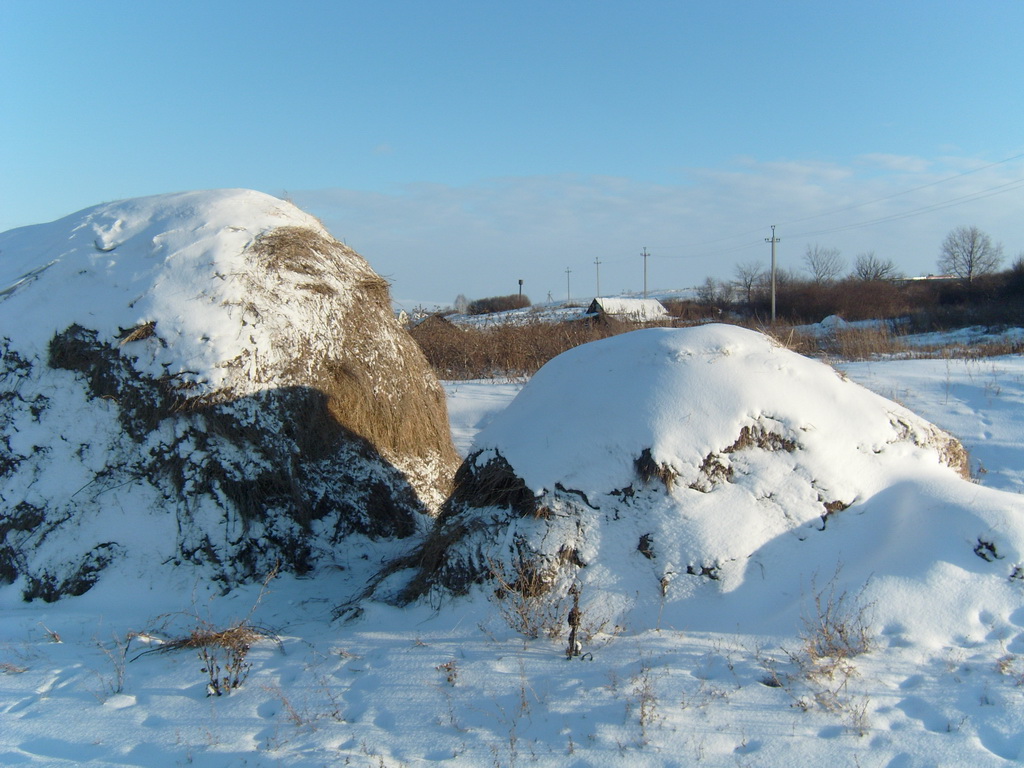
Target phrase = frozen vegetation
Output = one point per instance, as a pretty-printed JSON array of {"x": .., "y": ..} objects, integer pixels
[{"x": 762, "y": 560}]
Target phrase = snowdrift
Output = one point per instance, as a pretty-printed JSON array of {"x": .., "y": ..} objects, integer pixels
[
  {"x": 205, "y": 378},
  {"x": 710, "y": 478}
]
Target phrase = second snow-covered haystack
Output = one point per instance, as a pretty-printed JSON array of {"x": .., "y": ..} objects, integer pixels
[
  {"x": 204, "y": 378},
  {"x": 666, "y": 466}
]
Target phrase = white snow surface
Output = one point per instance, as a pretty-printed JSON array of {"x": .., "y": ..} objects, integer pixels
[
  {"x": 685, "y": 394},
  {"x": 174, "y": 259},
  {"x": 451, "y": 683},
  {"x": 90, "y": 479},
  {"x": 743, "y": 529}
]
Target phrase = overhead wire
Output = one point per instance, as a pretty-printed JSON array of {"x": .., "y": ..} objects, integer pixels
[
  {"x": 978, "y": 195},
  {"x": 694, "y": 252},
  {"x": 918, "y": 188}
]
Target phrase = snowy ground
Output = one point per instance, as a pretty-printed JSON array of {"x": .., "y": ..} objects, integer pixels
[{"x": 416, "y": 686}]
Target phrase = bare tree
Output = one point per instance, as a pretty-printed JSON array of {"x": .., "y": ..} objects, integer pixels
[
  {"x": 714, "y": 293},
  {"x": 868, "y": 267},
  {"x": 783, "y": 277},
  {"x": 748, "y": 277},
  {"x": 968, "y": 252},
  {"x": 824, "y": 264}
]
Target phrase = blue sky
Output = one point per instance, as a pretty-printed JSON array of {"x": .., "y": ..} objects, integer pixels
[{"x": 461, "y": 146}]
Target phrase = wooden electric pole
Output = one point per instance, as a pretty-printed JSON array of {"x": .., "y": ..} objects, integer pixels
[{"x": 597, "y": 263}]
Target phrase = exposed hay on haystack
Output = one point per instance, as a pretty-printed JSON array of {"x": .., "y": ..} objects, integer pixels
[{"x": 377, "y": 382}]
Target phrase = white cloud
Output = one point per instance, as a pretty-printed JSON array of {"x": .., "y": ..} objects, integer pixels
[{"x": 436, "y": 241}]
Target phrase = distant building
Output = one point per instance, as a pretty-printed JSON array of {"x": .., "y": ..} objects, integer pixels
[{"x": 634, "y": 310}]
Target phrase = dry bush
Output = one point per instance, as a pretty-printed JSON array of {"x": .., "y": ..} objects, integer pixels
[
  {"x": 526, "y": 599},
  {"x": 222, "y": 652},
  {"x": 836, "y": 627},
  {"x": 789, "y": 338},
  {"x": 498, "y": 304},
  {"x": 846, "y": 343},
  {"x": 686, "y": 310},
  {"x": 871, "y": 300}
]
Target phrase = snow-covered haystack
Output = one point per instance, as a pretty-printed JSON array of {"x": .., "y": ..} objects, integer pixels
[
  {"x": 668, "y": 473},
  {"x": 204, "y": 378}
]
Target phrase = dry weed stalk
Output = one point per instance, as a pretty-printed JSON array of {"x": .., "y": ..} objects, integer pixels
[
  {"x": 450, "y": 670},
  {"x": 646, "y": 698},
  {"x": 222, "y": 652},
  {"x": 525, "y": 598},
  {"x": 837, "y": 627},
  {"x": 140, "y": 332}
]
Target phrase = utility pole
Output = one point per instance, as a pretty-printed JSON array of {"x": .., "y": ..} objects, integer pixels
[
  {"x": 645, "y": 254},
  {"x": 773, "y": 240},
  {"x": 597, "y": 263},
  {"x": 568, "y": 289},
  {"x": 520, "y": 289}
]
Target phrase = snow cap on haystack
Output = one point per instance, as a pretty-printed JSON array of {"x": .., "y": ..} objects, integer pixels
[
  {"x": 204, "y": 377},
  {"x": 666, "y": 464}
]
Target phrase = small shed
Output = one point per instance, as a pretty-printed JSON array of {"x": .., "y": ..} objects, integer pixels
[{"x": 633, "y": 310}]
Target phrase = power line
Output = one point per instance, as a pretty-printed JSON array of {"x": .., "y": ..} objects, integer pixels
[
  {"x": 955, "y": 176},
  {"x": 866, "y": 203},
  {"x": 978, "y": 195},
  {"x": 749, "y": 244},
  {"x": 981, "y": 195}
]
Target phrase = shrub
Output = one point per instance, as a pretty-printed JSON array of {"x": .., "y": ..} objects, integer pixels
[
  {"x": 836, "y": 627},
  {"x": 526, "y": 599},
  {"x": 458, "y": 352},
  {"x": 497, "y": 304}
]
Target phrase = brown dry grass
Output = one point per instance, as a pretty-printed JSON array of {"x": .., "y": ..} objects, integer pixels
[
  {"x": 378, "y": 384},
  {"x": 648, "y": 469},
  {"x": 295, "y": 249},
  {"x": 516, "y": 351},
  {"x": 140, "y": 332},
  {"x": 241, "y": 636},
  {"x": 461, "y": 352}
]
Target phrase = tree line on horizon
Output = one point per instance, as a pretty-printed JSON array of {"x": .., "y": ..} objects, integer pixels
[
  {"x": 873, "y": 288},
  {"x": 969, "y": 285}
]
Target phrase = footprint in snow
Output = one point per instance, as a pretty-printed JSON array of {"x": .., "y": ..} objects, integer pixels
[{"x": 931, "y": 718}]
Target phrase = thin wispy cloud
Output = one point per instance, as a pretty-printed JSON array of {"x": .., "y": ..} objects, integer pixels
[{"x": 435, "y": 241}]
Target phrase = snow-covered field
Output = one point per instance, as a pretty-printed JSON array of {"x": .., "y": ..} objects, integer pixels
[{"x": 452, "y": 683}]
